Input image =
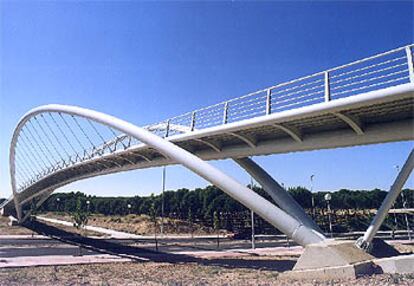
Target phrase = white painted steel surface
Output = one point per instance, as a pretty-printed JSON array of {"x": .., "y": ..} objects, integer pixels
[
  {"x": 396, "y": 188},
  {"x": 283, "y": 199},
  {"x": 244, "y": 195},
  {"x": 364, "y": 102}
]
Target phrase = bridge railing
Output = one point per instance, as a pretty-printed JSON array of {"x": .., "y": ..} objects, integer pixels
[
  {"x": 51, "y": 141},
  {"x": 384, "y": 70}
]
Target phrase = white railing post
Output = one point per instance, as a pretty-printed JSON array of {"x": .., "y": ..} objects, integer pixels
[
  {"x": 410, "y": 63},
  {"x": 193, "y": 119},
  {"x": 226, "y": 109},
  {"x": 269, "y": 102},
  {"x": 327, "y": 88}
]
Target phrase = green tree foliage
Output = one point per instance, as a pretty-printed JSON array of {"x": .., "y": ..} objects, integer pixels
[
  {"x": 199, "y": 205},
  {"x": 80, "y": 217}
]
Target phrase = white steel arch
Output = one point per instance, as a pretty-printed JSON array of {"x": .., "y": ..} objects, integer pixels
[
  {"x": 365, "y": 102},
  {"x": 277, "y": 217}
]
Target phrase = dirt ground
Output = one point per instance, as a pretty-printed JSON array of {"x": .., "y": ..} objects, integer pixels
[
  {"x": 243, "y": 270},
  {"x": 139, "y": 224},
  {"x": 171, "y": 274},
  {"x": 5, "y": 229}
]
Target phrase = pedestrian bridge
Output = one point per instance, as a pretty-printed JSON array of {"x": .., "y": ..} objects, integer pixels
[{"x": 368, "y": 101}]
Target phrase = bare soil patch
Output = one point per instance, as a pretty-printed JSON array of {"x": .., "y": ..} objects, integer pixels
[
  {"x": 5, "y": 229},
  {"x": 140, "y": 224},
  {"x": 170, "y": 274}
]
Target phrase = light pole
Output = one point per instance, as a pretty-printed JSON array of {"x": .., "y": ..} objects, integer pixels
[
  {"x": 328, "y": 198},
  {"x": 58, "y": 203},
  {"x": 312, "y": 197},
  {"x": 252, "y": 219},
  {"x": 88, "y": 203},
  {"x": 162, "y": 200},
  {"x": 129, "y": 208},
  {"x": 404, "y": 200}
]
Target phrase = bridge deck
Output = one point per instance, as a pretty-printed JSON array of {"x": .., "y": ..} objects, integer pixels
[
  {"x": 383, "y": 116},
  {"x": 365, "y": 102}
]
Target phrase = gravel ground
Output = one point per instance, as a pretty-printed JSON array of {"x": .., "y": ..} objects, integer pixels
[
  {"x": 5, "y": 229},
  {"x": 170, "y": 274}
]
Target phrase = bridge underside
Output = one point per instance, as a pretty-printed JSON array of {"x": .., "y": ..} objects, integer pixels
[{"x": 384, "y": 119}]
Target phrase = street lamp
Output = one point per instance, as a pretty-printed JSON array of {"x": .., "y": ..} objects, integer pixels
[
  {"x": 328, "y": 198},
  {"x": 129, "y": 208},
  {"x": 87, "y": 206},
  {"x": 58, "y": 203},
  {"x": 404, "y": 200}
]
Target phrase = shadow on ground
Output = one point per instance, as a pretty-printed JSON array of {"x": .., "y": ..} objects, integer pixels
[{"x": 141, "y": 254}]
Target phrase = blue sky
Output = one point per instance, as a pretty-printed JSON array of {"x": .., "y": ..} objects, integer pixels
[{"x": 146, "y": 61}]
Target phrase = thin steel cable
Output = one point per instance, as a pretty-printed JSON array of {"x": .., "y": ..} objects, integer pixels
[
  {"x": 367, "y": 67},
  {"x": 100, "y": 136},
  {"x": 19, "y": 181},
  {"x": 56, "y": 138},
  {"x": 298, "y": 98},
  {"x": 96, "y": 131},
  {"x": 369, "y": 79},
  {"x": 23, "y": 170},
  {"x": 293, "y": 94},
  {"x": 28, "y": 175},
  {"x": 65, "y": 137},
  {"x": 369, "y": 86},
  {"x": 39, "y": 137},
  {"x": 275, "y": 91},
  {"x": 20, "y": 150},
  {"x": 83, "y": 132},
  {"x": 297, "y": 103},
  {"x": 115, "y": 136},
  {"x": 36, "y": 166},
  {"x": 33, "y": 148},
  {"x": 366, "y": 74},
  {"x": 38, "y": 145},
  {"x": 74, "y": 135},
  {"x": 60, "y": 158}
]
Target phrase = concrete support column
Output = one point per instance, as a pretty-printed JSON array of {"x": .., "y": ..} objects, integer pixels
[
  {"x": 365, "y": 241},
  {"x": 277, "y": 192}
]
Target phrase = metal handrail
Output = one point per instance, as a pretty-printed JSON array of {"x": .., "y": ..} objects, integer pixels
[
  {"x": 220, "y": 113},
  {"x": 32, "y": 164}
]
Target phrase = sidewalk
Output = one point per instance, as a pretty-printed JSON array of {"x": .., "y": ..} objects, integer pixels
[
  {"x": 120, "y": 234},
  {"x": 110, "y": 232},
  {"x": 28, "y": 261}
]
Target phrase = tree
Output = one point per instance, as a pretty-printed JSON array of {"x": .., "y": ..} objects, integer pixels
[
  {"x": 302, "y": 195},
  {"x": 80, "y": 217}
]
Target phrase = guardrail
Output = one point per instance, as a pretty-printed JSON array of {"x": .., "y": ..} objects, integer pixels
[{"x": 377, "y": 72}]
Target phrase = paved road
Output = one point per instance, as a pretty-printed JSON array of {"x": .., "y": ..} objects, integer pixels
[
  {"x": 7, "y": 252},
  {"x": 169, "y": 245}
]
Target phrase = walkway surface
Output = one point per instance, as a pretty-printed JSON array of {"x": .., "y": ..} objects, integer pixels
[
  {"x": 28, "y": 261},
  {"x": 41, "y": 250},
  {"x": 115, "y": 233}
]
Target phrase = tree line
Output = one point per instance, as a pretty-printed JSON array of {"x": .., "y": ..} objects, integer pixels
[{"x": 203, "y": 204}]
